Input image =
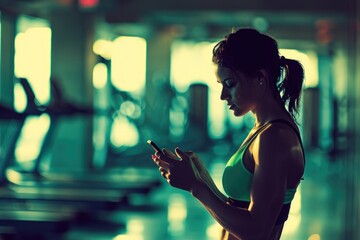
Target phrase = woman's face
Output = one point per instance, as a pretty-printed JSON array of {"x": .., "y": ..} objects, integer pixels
[{"x": 240, "y": 91}]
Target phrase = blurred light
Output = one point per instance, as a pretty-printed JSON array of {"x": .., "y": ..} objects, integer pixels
[
  {"x": 32, "y": 60},
  {"x": 191, "y": 63},
  {"x": 177, "y": 121},
  {"x": 20, "y": 55},
  {"x": 124, "y": 133},
  {"x": 135, "y": 226},
  {"x": 88, "y": 3},
  {"x": 177, "y": 207},
  {"x": 212, "y": 231},
  {"x": 177, "y": 213},
  {"x": 103, "y": 48},
  {"x": 293, "y": 223},
  {"x": 178, "y": 117},
  {"x": 127, "y": 108},
  {"x": 21, "y": 101},
  {"x": 340, "y": 73},
  {"x": 314, "y": 237},
  {"x": 324, "y": 31},
  {"x": 217, "y": 114},
  {"x": 308, "y": 61},
  {"x": 101, "y": 126},
  {"x": 128, "y": 237},
  {"x": 128, "y": 64},
  {"x": 31, "y": 138},
  {"x": 100, "y": 75},
  {"x": 134, "y": 231},
  {"x": 130, "y": 109}
]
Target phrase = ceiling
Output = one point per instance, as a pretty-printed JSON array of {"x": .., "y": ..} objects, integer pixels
[
  {"x": 120, "y": 10},
  {"x": 299, "y": 19}
]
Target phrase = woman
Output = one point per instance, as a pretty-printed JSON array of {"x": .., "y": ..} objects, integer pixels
[{"x": 261, "y": 178}]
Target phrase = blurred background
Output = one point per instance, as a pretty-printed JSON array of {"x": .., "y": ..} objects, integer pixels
[{"x": 84, "y": 84}]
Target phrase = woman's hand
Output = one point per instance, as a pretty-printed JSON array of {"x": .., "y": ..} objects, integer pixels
[
  {"x": 205, "y": 175},
  {"x": 200, "y": 166},
  {"x": 178, "y": 169}
]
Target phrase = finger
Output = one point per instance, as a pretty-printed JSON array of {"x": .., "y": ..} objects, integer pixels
[
  {"x": 163, "y": 172},
  {"x": 181, "y": 154},
  {"x": 169, "y": 153},
  {"x": 158, "y": 154},
  {"x": 160, "y": 162},
  {"x": 166, "y": 159},
  {"x": 163, "y": 156},
  {"x": 163, "y": 164}
]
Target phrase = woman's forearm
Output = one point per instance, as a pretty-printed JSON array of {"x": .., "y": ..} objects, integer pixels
[
  {"x": 205, "y": 176},
  {"x": 237, "y": 221},
  {"x": 211, "y": 184}
]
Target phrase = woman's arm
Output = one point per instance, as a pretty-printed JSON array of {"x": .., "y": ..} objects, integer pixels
[{"x": 272, "y": 151}]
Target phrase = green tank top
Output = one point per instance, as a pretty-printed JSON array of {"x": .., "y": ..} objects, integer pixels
[{"x": 237, "y": 178}]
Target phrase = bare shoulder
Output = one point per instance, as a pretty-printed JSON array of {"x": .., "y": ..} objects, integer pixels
[
  {"x": 279, "y": 133},
  {"x": 278, "y": 137},
  {"x": 279, "y": 147}
]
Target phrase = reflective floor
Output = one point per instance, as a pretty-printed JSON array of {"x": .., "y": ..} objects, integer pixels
[{"x": 317, "y": 211}]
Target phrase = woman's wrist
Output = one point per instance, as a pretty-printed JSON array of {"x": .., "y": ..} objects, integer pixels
[{"x": 198, "y": 188}]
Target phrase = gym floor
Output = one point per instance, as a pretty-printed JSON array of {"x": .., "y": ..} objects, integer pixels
[{"x": 317, "y": 212}]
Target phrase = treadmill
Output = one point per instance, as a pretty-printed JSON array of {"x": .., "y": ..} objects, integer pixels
[
  {"x": 121, "y": 184},
  {"x": 17, "y": 212},
  {"x": 18, "y": 220}
]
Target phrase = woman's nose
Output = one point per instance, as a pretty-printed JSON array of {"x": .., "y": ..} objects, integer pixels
[{"x": 224, "y": 95}]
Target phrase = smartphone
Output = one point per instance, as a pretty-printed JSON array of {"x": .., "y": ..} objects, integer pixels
[{"x": 154, "y": 146}]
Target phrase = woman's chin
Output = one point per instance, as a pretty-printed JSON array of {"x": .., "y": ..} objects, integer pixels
[{"x": 238, "y": 112}]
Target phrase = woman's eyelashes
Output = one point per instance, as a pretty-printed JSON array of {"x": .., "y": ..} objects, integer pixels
[{"x": 228, "y": 83}]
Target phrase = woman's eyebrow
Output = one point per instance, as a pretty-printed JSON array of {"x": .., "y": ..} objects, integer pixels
[{"x": 219, "y": 81}]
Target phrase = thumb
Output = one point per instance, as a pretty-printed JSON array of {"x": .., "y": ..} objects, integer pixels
[
  {"x": 181, "y": 154},
  {"x": 169, "y": 154}
]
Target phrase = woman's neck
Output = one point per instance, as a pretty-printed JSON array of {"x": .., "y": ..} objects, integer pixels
[{"x": 269, "y": 109}]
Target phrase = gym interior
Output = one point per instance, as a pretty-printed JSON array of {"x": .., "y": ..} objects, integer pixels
[{"x": 85, "y": 83}]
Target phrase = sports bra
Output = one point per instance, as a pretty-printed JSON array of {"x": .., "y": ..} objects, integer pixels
[{"x": 237, "y": 179}]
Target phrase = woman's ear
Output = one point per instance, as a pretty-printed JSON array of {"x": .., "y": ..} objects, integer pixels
[{"x": 262, "y": 77}]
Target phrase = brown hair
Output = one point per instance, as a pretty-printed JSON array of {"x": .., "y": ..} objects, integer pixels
[{"x": 248, "y": 50}]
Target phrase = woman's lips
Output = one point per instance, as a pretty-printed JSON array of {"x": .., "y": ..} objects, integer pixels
[{"x": 231, "y": 106}]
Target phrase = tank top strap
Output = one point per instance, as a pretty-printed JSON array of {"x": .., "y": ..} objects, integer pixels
[
  {"x": 258, "y": 131},
  {"x": 247, "y": 142}
]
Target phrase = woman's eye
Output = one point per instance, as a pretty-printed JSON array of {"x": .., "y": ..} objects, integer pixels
[{"x": 228, "y": 83}]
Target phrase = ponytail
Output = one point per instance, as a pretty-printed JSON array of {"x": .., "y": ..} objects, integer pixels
[{"x": 291, "y": 84}]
